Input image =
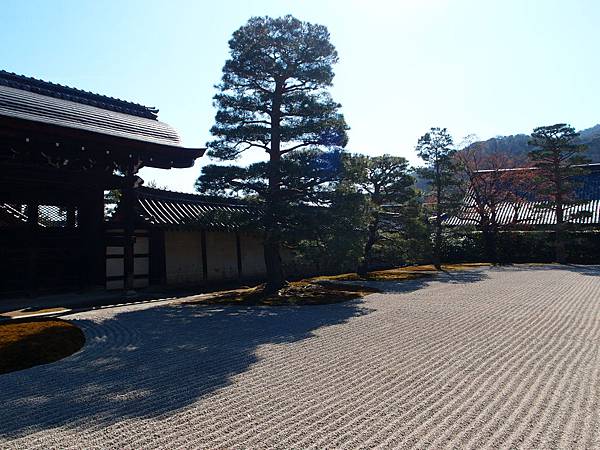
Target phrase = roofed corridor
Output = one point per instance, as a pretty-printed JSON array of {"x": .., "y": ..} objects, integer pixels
[{"x": 502, "y": 357}]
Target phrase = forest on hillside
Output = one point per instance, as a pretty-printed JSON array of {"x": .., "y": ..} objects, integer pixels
[{"x": 516, "y": 145}]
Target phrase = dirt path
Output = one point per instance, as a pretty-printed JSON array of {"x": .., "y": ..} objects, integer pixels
[{"x": 501, "y": 358}]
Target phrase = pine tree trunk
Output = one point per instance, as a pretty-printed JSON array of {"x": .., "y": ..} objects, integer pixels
[
  {"x": 272, "y": 244},
  {"x": 560, "y": 245},
  {"x": 437, "y": 256},
  {"x": 363, "y": 267},
  {"x": 275, "y": 276}
]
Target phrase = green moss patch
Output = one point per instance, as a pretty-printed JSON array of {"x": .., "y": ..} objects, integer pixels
[
  {"x": 294, "y": 293},
  {"x": 323, "y": 289},
  {"x": 400, "y": 273},
  {"x": 26, "y": 343}
]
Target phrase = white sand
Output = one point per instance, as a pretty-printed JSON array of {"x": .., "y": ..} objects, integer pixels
[{"x": 496, "y": 358}]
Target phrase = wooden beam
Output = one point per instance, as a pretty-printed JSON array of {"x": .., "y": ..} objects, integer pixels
[
  {"x": 32, "y": 249},
  {"x": 153, "y": 154}
]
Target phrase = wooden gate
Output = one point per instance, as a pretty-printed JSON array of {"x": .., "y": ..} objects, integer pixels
[{"x": 115, "y": 259}]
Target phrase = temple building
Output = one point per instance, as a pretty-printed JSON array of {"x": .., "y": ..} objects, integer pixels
[
  {"x": 533, "y": 211},
  {"x": 61, "y": 149}
]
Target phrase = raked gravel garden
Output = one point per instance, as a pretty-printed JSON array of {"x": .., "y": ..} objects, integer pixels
[{"x": 505, "y": 357}]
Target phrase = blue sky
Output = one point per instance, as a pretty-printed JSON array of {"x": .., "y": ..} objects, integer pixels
[{"x": 489, "y": 67}]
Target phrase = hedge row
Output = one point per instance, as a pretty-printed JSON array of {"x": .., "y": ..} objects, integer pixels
[{"x": 523, "y": 247}]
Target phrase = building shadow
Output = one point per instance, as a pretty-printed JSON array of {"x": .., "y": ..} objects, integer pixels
[{"x": 154, "y": 361}]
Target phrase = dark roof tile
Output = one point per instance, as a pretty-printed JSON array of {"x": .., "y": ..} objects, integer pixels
[
  {"x": 25, "y": 105},
  {"x": 534, "y": 213},
  {"x": 59, "y": 91},
  {"x": 179, "y": 210}
]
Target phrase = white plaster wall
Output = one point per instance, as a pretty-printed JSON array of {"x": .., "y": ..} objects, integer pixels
[
  {"x": 183, "y": 254},
  {"x": 221, "y": 256},
  {"x": 253, "y": 257}
]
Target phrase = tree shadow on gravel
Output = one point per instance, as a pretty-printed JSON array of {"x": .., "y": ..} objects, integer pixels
[
  {"x": 592, "y": 271},
  {"x": 399, "y": 287},
  {"x": 588, "y": 270},
  {"x": 154, "y": 361}
]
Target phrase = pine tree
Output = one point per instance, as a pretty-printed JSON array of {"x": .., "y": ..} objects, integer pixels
[
  {"x": 435, "y": 149},
  {"x": 557, "y": 155},
  {"x": 273, "y": 98},
  {"x": 388, "y": 186}
]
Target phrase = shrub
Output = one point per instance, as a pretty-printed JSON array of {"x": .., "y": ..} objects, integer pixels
[{"x": 523, "y": 247}]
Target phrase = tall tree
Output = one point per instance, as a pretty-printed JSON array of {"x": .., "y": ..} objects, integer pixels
[
  {"x": 557, "y": 154},
  {"x": 488, "y": 182},
  {"x": 435, "y": 149},
  {"x": 387, "y": 184},
  {"x": 273, "y": 98}
]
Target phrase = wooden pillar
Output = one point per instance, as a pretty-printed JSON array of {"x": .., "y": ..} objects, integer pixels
[
  {"x": 128, "y": 211},
  {"x": 31, "y": 279},
  {"x": 71, "y": 217},
  {"x": 91, "y": 228},
  {"x": 98, "y": 275}
]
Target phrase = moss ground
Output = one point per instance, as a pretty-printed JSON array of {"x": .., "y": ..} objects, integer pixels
[
  {"x": 26, "y": 343},
  {"x": 323, "y": 289}
]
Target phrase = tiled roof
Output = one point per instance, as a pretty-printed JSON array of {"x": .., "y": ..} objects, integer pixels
[
  {"x": 39, "y": 101},
  {"x": 59, "y": 91},
  {"x": 174, "y": 209},
  {"x": 533, "y": 213}
]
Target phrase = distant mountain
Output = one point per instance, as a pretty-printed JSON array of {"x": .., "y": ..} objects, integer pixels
[
  {"x": 591, "y": 137},
  {"x": 516, "y": 145}
]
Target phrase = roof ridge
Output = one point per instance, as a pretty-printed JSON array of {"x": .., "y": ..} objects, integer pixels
[{"x": 50, "y": 89}]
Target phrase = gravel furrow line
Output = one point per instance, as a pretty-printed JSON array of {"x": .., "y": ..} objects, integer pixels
[
  {"x": 528, "y": 381},
  {"x": 466, "y": 393},
  {"x": 560, "y": 391},
  {"x": 465, "y": 397},
  {"x": 523, "y": 413},
  {"x": 419, "y": 368},
  {"x": 591, "y": 416}
]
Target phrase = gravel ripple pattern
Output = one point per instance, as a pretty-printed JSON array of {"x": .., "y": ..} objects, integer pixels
[{"x": 492, "y": 358}]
